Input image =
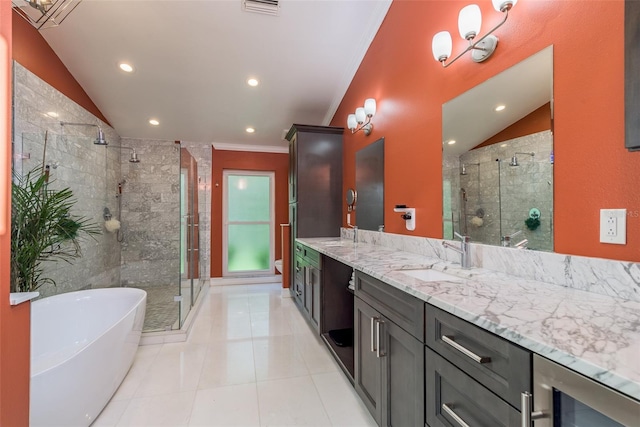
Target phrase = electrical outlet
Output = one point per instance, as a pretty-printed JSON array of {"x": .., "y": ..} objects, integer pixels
[{"x": 613, "y": 226}]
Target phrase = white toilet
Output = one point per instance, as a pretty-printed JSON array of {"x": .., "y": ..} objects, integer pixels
[{"x": 278, "y": 265}]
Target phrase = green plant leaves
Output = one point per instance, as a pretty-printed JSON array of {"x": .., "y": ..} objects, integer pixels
[{"x": 42, "y": 229}]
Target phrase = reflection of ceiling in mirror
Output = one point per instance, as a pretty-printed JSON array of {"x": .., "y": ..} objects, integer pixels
[{"x": 470, "y": 119}]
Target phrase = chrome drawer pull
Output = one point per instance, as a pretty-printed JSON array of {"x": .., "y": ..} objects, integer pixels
[
  {"x": 373, "y": 345},
  {"x": 379, "y": 352},
  {"x": 527, "y": 414},
  {"x": 470, "y": 354},
  {"x": 453, "y": 415}
]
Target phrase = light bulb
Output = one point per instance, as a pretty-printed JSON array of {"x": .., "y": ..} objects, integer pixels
[
  {"x": 503, "y": 5},
  {"x": 469, "y": 21},
  {"x": 441, "y": 46},
  {"x": 352, "y": 123},
  {"x": 370, "y": 107}
]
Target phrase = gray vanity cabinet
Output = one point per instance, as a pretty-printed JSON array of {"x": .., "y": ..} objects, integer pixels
[
  {"x": 500, "y": 366},
  {"x": 389, "y": 361},
  {"x": 308, "y": 283}
]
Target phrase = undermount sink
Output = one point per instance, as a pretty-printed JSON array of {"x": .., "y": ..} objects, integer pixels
[{"x": 430, "y": 275}]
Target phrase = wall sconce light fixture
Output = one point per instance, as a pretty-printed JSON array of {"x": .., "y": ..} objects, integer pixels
[
  {"x": 469, "y": 22},
  {"x": 356, "y": 122}
]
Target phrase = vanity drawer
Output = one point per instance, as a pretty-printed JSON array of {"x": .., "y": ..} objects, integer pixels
[
  {"x": 309, "y": 255},
  {"x": 401, "y": 308},
  {"x": 453, "y": 398},
  {"x": 502, "y": 367}
]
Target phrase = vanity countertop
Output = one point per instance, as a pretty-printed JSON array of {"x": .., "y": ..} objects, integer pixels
[{"x": 595, "y": 335}]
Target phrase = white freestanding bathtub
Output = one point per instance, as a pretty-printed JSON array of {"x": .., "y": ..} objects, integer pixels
[{"x": 82, "y": 345}]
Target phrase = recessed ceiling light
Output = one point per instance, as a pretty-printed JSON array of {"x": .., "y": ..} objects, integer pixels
[
  {"x": 250, "y": 130},
  {"x": 52, "y": 114},
  {"x": 154, "y": 122},
  {"x": 253, "y": 82},
  {"x": 503, "y": 145},
  {"x": 451, "y": 142},
  {"x": 126, "y": 67},
  {"x": 500, "y": 107}
]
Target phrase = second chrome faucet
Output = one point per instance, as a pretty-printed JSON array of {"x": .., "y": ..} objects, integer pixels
[{"x": 464, "y": 250}]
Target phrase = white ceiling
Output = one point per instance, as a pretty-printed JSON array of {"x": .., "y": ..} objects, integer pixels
[
  {"x": 471, "y": 119},
  {"x": 192, "y": 60}
]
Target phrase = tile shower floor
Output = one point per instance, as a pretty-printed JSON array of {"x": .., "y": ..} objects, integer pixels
[
  {"x": 250, "y": 360},
  {"x": 162, "y": 311}
]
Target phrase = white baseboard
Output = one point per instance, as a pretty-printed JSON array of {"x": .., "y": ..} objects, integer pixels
[{"x": 224, "y": 281}]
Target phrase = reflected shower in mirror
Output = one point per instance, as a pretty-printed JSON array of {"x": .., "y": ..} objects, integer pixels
[
  {"x": 370, "y": 186},
  {"x": 498, "y": 158}
]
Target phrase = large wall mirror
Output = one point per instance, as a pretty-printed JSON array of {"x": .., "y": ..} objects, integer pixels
[
  {"x": 498, "y": 158},
  {"x": 370, "y": 186}
]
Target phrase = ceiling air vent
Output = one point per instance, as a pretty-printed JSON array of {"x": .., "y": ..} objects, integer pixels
[{"x": 266, "y": 7}]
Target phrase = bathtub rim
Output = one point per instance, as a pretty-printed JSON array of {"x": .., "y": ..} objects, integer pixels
[{"x": 143, "y": 295}]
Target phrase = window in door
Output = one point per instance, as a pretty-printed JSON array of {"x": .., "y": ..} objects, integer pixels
[{"x": 248, "y": 236}]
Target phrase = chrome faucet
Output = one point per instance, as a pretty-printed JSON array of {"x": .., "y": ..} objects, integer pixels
[
  {"x": 522, "y": 244},
  {"x": 464, "y": 250},
  {"x": 506, "y": 240},
  {"x": 355, "y": 232}
]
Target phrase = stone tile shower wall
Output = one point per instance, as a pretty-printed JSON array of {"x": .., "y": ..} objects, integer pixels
[
  {"x": 202, "y": 154},
  {"x": 151, "y": 214},
  {"x": 500, "y": 196},
  {"x": 90, "y": 171}
]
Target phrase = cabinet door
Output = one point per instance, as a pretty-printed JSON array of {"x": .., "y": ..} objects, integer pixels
[
  {"x": 403, "y": 377},
  {"x": 299, "y": 281},
  {"x": 368, "y": 367},
  {"x": 314, "y": 276},
  {"x": 308, "y": 292},
  {"x": 293, "y": 169}
]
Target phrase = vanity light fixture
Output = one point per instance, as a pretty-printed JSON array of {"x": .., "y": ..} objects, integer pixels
[
  {"x": 356, "y": 122},
  {"x": 469, "y": 22}
]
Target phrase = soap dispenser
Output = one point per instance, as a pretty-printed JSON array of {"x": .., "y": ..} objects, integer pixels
[{"x": 408, "y": 214}]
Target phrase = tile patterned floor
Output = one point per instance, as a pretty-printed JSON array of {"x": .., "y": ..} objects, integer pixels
[{"x": 250, "y": 360}]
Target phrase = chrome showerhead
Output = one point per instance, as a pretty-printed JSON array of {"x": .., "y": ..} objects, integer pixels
[
  {"x": 100, "y": 139},
  {"x": 463, "y": 169},
  {"x": 514, "y": 159},
  {"x": 134, "y": 157}
]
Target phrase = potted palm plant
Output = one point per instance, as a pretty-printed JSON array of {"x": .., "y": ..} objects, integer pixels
[{"x": 42, "y": 229}]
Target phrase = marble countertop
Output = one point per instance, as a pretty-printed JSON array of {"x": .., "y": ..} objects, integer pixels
[{"x": 595, "y": 335}]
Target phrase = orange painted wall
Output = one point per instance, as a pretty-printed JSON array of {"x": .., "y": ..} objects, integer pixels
[
  {"x": 592, "y": 168},
  {"x": 32, "y": 51},
  {"x": 538, "y": 121},
  {"x": 14, "y": 321},
  {"x": 241, "y": 160}
]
